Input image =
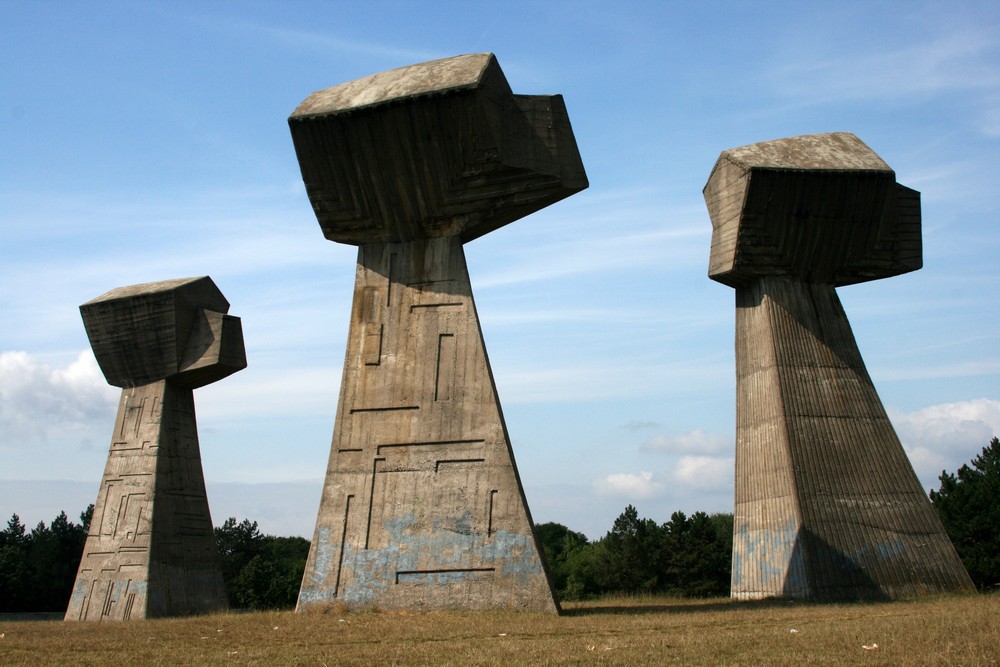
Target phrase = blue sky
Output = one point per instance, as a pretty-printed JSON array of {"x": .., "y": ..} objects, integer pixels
[{"x": 143, "y": 141}]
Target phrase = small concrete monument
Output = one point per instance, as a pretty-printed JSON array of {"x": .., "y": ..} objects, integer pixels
[
  {"x": 422, "y": 506},
  {"x": 827, "y": 504},
  {"x": 150, "y": 550}
]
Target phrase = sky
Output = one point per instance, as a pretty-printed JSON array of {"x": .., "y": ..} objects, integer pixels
[{"x": 144, "y": 141}]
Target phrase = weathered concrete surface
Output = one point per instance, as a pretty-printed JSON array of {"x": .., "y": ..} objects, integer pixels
[
  {"x": 822, "y": 208},
  {"x": 150, "y": 550},
  {"x": 827, "y": 504},
  {"x": 422, "y": 506},
  {"x": 437, "y": 149}
]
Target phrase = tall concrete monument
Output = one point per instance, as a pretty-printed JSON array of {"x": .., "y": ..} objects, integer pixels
[
  {"x": 827, "y": 504},
  {"x": 150, "y": 550},
  {"x": 422, "y": 506}
]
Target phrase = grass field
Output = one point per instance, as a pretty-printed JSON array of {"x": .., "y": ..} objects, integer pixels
[{"x": 647, "y": 631}]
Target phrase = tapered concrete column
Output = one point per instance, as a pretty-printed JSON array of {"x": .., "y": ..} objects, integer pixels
[
  {"x": 422, "y": 506},
  {"x": 827, "y": 505},
  {"x": 150, "y": 550}
]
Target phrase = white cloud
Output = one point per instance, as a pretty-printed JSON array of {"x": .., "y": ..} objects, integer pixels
[
  {"x": 629, "y": 485},
  {"x": 698, "y": 440},
  {"x": 37, "y": 400},
  {"x": 947, "y": 435},
  {"x": 705, "y": 472}
]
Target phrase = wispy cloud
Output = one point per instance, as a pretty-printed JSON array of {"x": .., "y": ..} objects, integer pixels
[
  {"x": 636, "y": 425},
  {"x": 989, "y": 119},
  {"x": 975, "y": 368},
  {"x": 324, "y": 42},
  {"x": 584, "y": 381},
  {"x": 670, "y": 249},
  {"x": 963, "y": 59},
  {"x": 595, "y": 234},
  {"x": 942, "y": 181},
  {"x": 696, "y": 441},
  {"x": 275, "y": 391}
]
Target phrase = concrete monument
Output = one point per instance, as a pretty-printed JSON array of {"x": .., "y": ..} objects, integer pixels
[
  {"x": 827, "y": 504},
  {"x": 150, "y": 550},
  {"x": 422, "y": 506}
]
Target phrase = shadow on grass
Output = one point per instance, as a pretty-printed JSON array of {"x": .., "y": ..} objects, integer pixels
[{"x": 681, "y": 606}]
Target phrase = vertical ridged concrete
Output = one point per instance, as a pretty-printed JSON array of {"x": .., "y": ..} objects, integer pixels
[
  {"x": 150, "y": 550},
  {"x": 422, "y": 506},
  {"x": 827, "y": 505}
]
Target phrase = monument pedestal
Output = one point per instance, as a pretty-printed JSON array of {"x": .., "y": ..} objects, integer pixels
[
  {"x": 150, "y": 550},
  {"x": 827, "y": 504}
]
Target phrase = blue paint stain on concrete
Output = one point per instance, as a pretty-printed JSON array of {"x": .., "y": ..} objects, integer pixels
[
  {"x": 316, "y": 590},
  {"x": 768, "y": 561},
  {"x": 511, "y": 555},
  {"x": 882, "y": 552}
]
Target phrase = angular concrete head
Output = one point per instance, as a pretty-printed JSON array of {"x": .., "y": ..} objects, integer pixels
[
  {"x": 176, "y": 329},
  {"x": 822, "y": 208},
  {"x": 443, "y": 148}
]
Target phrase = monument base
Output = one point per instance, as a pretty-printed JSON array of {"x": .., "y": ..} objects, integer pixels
[
  {"x": 827, "y": 504},
  {"x": 150, "y": 549}
]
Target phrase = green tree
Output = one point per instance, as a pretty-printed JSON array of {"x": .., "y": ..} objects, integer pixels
[
  {"x": 288, "y": 556},
  {"x": 14, "y": 572},
  {"x": 699, "y": 555},
  {"x": 260, "y": 571},
  {"x": 238, "y": 544},
  {"x": 86, "y": 516},
  {"x": 967, "y": 503},
  {"x": 14, "y": 533},
  {"x": 583, "y": 568},
  {"x": 632, "y": 555},
  {"x": 54, "y": 556},
  {"x": 559, "y": 543},
  {"x": 38, "y": 568}
]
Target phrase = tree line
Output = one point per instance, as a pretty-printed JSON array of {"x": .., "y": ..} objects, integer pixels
[
  {"x": 685, "y": 556},
  {"x": 38, "y": 567}
]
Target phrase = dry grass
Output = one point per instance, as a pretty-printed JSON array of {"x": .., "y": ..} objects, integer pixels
[{"x": 939, "y": 631}]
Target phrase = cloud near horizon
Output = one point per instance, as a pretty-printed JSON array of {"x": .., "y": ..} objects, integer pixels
[
  {"x": 706, "y": 473},
  {"x": 946, "y": 436},
  {"x": 37, "y": 400},
  {"x": 938, "y": 437},
  {"x": 629, "y": 485}
]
